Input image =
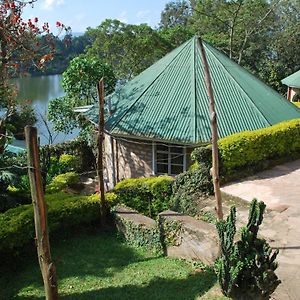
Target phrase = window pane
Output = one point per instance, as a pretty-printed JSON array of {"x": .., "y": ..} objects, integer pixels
[
  {"x": 176, "y": 170},
  {"x": 162, "y": 148},
  {"x": 162, "y": 168},
  {"x": 176, "y": 150},
  {"x": 162, "y": 157},
  {"x": 177, "y": 159}
]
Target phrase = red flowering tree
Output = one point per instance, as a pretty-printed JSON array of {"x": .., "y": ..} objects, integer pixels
[{"x": 20, "y": 49}]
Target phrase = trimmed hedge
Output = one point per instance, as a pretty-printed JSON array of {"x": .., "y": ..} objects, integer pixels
[
  {"x": 251, "y": 151},
  {"x": 253, "y": 147},
  {"x": 149, "y": 196},
  {"x": 64, "y": 211}
]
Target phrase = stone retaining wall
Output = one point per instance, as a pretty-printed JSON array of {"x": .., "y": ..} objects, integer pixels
[{"x": 175, "y": 234}]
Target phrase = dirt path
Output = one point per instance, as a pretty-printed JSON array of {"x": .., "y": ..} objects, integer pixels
[{"x": 279, "y": 188}]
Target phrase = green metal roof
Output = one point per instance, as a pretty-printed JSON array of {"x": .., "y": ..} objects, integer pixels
[
  {"x": 292, "y": 80},
  {"x": 168, "y": 101}
]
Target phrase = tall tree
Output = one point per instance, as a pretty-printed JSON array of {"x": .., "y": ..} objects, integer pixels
[
  {"x": 240, "y": 28},
  {"x": 175, "y": 13},
  {"x": 79, "y": 82},
  {"x": 129, "y": 49}
]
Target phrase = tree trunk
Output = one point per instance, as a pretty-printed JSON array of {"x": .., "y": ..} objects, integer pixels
[
  {"x": 214, "y": 132},
  {"x": 40, "y": 215}
]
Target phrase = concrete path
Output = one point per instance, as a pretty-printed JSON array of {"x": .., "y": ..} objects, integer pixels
[{"x": 279, "y": 188}]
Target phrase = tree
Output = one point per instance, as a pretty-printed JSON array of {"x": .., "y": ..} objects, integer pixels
[
  {"x": 240, "y": 28},
  {"x": 19, "y": 49},
  {"x": 80, "y": 85},
  {"x": 175, "y": 13},
  {"x": 129, "y": 49}
]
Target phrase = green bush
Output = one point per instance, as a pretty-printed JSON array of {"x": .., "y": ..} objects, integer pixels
[
  {"x": 64, "y": 211},
  {"x": 296, "y": 97},
  {"x": 110, "y": 197},
  {"x": 62, "y": 181},
  {"x": 251, "y": 148},
  {"x": 188, "y": 188},
  {"x": 149, "y": 196},
  {"x": 69, "y": 163},
  {"x": 246, "y": 268}
]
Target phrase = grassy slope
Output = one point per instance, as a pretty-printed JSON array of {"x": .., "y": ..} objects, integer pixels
[{"x": 98, "y": 266}]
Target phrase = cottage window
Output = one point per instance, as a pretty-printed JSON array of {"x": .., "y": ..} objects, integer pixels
[{"x": 169, "y": 159}]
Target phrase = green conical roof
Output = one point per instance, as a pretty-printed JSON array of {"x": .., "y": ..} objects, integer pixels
[
  {"x": 292, "y": 80},
  {"x": 168, "y": 101}
]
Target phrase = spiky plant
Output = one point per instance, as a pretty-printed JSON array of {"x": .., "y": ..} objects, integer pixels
[{"x": 246, "y": 268}]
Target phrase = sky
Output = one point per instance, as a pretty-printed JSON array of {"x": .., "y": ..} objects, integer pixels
[{"x": 80, "y": 14}]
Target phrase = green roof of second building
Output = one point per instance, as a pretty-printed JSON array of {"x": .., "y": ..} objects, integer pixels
[
  {"x": 292, "y": 80},
  {"x": 168, "y": 101}
]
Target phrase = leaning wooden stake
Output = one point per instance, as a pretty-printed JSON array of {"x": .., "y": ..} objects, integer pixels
[
  {"x": 40, "y": 215},
  {"x": 103, "y": 209},
  {"x": 214, "y": 132}
]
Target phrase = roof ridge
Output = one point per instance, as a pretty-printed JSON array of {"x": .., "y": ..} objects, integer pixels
[
  {"x": 150, "y": 85},
  {"x": 232, "y": 77}
]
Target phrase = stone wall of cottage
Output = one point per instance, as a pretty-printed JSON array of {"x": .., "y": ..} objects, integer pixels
[{"x": 132, "y": 159}]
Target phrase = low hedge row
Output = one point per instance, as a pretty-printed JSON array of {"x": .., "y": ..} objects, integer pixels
[
  {"x": 253, "y": 150},
  {"x": 253, "y": 147},
  {"x": 149, "y": 196},
  {"x": 64, "y": 212}
]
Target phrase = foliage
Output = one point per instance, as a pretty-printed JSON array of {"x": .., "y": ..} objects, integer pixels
[
  {"x": 129, "y": 49},
  {"x": 82, "y": 76},
  {"x": 139, "y": 235},
  {"x": 66, "y": 48},
  {"x": 175, "y": 13},
  {"x": 170, "y": 232},
  {"x": 148, "y": 196},
  {"x": 80, "y": 85},
  {"x": 68, "y": 162},
  {"x": 110, "y": 197},
  {"x": 64, "y": 211},
  {"x": 251, "y": 148},
  {"x": 189, "y": 188},
  {"x": 61, "y": 182},
  {"x": 296, "y": 97},
  {"x": 246, "y": 268},
  {"x": 22, "y": 115},
  {"x": 20, "y": 49}
]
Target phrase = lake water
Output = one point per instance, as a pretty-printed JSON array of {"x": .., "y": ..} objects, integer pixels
[{"x": 39, "y": 91}]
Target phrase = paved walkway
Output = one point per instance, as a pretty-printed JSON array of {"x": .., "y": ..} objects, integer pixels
[{"x": 279, "y": 188}]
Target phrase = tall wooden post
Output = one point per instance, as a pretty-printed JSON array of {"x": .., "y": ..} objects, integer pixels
[
  {"x": 40, "y": 215},
  {"x": 103, "y": 209},
  {"x": 214, "y": 131}
]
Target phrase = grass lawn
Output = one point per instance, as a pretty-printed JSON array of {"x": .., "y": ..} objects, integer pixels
[{"x": 99, "y": 266}]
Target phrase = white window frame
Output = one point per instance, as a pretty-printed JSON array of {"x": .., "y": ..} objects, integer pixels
[{"x": 169, "y": 153}]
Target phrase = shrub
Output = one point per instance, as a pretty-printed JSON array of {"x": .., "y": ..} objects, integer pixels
[
  {"x": 252, "y": 148},
  {"x": 246, "y": 268},
  {"x": 149, "y": 196},
  {"x": 68, "y": 163},
  {"x": 110, "y": 197},
  {"x": 188, "y": 188},
  {"x": 64, "y": 211},
  {"x": 62, "y": 181},
  {"x": 296, "y": 97}
]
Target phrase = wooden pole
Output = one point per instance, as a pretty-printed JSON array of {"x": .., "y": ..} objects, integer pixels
[
  {"x": 40, "y": 215},
  {"x": 103, "y": 205},
  {"x": 214, "y": 131}
]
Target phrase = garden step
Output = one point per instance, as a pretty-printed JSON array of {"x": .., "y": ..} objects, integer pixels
[{"x": 193, "y": 239}]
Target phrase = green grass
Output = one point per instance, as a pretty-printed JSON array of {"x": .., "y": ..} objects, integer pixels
[{"x": 99, "y": 266}]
